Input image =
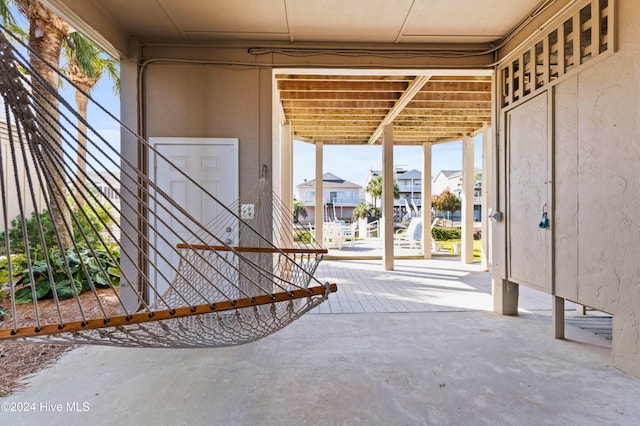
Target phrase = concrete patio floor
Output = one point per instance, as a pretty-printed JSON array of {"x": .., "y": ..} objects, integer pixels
[{"x": 414, "y": 346}]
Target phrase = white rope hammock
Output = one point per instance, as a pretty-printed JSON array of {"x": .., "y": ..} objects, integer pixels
[{"x": 218, "y": 293}]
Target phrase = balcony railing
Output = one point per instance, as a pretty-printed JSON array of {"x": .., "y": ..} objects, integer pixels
[
  {"x": 345, "y": 200},
  {"x": 348, "y": 201},
  {"x": 410, "y": 188}
]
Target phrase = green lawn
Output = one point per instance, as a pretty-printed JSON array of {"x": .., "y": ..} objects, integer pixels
[{"x": 477, "y": 247}]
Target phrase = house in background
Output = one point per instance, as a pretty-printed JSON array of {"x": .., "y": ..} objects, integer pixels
[
  {"x": 452, "y": 180},
  {"x": 11, "y": 174},
  {"x": 410, "y": 188},
  {"x": 409, "y": 183},
  {"x": 108, "y": 184},
  {"x": 339, "y": 197}
]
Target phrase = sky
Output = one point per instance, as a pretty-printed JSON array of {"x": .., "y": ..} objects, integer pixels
[{"x": 352, "y": 163}]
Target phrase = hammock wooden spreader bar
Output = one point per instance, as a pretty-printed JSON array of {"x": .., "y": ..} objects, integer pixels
[
  {"x": 165, "y": 314},
  {"x": 253, "y": 249}
]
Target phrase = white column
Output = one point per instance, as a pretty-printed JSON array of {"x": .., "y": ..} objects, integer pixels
[
  {"x": 319, "y": 205},
  {"x": 487, "y": 152},
  {"x": 467, "y": 199},
  {"x": 286, "y": 166},
  {"x": 426, "y": 199},
  {"x": 286, "y": 179},
  {"x": 387, "y": 197}
]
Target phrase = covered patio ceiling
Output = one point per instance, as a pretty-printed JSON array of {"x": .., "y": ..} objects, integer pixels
[
  {"x": 335, "y": 108},
  {"x": 351, "y": 107}
]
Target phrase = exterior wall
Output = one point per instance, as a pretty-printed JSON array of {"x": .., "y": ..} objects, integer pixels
[
  {"x": 209, "y": 101},
  {"x": 10, "y": 174},
  {"x": 594, "y": 147}
]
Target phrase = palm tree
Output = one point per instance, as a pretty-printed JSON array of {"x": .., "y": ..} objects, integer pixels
[
  {"x": 298, "y": 210},
  {"x": 363, "y": 210},
  {"x": 48, "y": 35},
  {"x": 86, "y": 63},
  {"x": 374, "y": 188}
]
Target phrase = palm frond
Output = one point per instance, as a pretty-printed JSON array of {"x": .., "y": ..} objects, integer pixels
[
  {"x": 113, "y": 69},
  {"x": 85, "y": 53},
  {"x": 91, "y": 61},
  {"x": 5, "y": 14}
]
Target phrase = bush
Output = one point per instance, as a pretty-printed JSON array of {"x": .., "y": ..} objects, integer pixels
[
  {"x": 88, "y": 269},
  {"x": 445, "y": 234},
  {"x": 99, "y": 266},
  {"x": 303, "y": 237},
  {"x": 3, "y": 312},
  {"x": 92, "y": 216}
]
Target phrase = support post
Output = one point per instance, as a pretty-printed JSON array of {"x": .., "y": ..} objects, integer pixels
[
  {"x": 387, "y": 197},
  {"x": 485, "y": 259},
  {"x": 286, "y": 166},
  {"x": 319, "y": 204},
  {"x": 467, "y": 200},
  {"x": 557, "y": 317},
  {"x": 505, "y": 297},
  {"x": 286, "y": 178},
  {"x": 133, "y": 151},
  {"x": 426, "y": 200}
]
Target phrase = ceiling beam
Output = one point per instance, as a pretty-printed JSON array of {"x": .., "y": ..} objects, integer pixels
[
  {"x": 339, "y": 96},
  {"x": 342, "y": 86},
  {"x": 339, "y": 104},
  {"x": 407, "y": 96}
]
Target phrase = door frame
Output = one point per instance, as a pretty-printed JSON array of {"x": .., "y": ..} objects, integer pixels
[{"x": 155, "y": 142}]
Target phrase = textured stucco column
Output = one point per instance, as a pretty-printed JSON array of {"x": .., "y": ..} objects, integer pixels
[
  {"x": 286, "y": 178},
  {"x": 426, "y": 199},
  {"x": 319, "y": 206},
  {"x": 467, "y": 199},
  {"x": 387, "y": 197},
  {"x": 485, "y": 259},
  {"x": 133, "y": 152}
]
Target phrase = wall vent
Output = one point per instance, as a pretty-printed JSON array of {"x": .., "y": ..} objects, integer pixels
[{"x": 575, "y": 40}]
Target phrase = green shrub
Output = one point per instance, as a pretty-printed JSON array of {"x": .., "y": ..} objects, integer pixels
[
  {"x": 92, "y": 216},
  {"x": 3, "y": 312},
  {"x": 303, "y": 237},
  {"x": 102, "y": 270},
  {"x": 445, "y": 234},
  {"x": 101, "y": 267}
]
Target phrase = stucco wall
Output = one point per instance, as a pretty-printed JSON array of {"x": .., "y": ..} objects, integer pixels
[
  {"x": 194, "y": 100},
  {"x": 608, "y": 166},
  {"x": 596, "y": 158}
]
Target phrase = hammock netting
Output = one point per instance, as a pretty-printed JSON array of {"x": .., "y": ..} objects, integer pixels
[{"x": 134, "y": 268}]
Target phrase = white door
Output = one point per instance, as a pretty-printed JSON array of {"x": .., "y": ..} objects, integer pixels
[{"x": 212, "y": 163}]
